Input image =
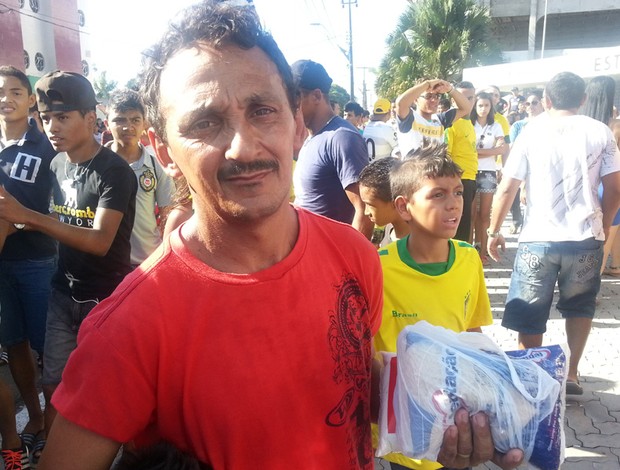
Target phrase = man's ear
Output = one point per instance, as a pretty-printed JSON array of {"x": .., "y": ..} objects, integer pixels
[
  {"x": 163, "y": 155},
  {"x": 32, "y": 100},
  {"x": 400, "y": 203}
]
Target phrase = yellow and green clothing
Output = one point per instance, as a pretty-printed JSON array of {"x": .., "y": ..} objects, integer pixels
[
  {"x": 461, "y": 140},
  {"x": 452, "y": 294}
]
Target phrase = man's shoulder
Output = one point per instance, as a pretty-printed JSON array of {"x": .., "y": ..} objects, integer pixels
[{"x": 343, "y": 235}]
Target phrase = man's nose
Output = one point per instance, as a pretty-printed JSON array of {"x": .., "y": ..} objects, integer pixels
[{"x": 243, "y": 142}]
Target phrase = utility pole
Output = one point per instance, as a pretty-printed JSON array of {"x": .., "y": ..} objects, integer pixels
[{"x": 350, "y": 56}]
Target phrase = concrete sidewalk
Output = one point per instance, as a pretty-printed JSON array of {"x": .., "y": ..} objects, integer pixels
[{"x": 592, "y": 425}]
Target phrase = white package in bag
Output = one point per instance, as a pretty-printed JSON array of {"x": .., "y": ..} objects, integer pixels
[{"x": 440, "y": 371}]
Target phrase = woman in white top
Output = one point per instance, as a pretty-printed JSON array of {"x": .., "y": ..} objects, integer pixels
[{"x": 489, "y": 143}]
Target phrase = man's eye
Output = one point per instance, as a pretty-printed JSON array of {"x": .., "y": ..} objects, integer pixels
[{"x": 264, "y": 111}]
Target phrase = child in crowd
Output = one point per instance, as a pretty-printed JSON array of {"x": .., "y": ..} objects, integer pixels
[
  {"x": 427, "y": 275},
  {"x": 376, "y": 194},
  {"x": 161, "y": 456}
]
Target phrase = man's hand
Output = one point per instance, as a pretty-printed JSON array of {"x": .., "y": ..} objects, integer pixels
[
  {"x": 10, "y": 209},
  {"x": 440, "y": 86},
  {"x": 493, "y": 244},
  {"x": 468, "y": 443}
]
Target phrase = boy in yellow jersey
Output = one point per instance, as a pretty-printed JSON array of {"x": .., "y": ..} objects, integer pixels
[{"x": 427, "y": 275}]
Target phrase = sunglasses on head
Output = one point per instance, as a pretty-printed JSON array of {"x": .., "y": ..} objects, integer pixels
[{"x": 430, "y": 96}]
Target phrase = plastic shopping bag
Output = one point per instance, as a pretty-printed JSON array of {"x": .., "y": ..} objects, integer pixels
[{"x": 437, "y": 371}]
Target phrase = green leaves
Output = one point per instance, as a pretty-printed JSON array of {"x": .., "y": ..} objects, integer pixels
[{"x": 436, "y": 39}]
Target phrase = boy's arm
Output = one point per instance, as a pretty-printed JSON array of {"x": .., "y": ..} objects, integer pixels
[
  {"x": 360, "y": 221},
  {"x": 96, "y": 240},
  {"x": 72, "y": 447}
]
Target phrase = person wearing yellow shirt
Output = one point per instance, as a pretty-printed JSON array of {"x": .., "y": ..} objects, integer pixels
[{"x": 427, "y": 275}]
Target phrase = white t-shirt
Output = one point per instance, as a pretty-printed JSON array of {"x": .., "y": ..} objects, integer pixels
[
  {"x": 562, "y": 160},
  {"x": 380, "y": 138},
  {"x": 486, "y": 137}
]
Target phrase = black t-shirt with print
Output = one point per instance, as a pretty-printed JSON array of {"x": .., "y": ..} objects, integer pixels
[{"x": 106, "y": 181}]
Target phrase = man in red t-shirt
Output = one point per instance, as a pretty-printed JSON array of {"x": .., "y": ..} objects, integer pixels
[{"x": 245, "y": 340}]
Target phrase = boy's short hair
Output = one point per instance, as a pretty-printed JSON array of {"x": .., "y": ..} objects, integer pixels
[
  {"x": 376, "y": 176},
  {"x": 427, "y": 162},
  {"x": 10, "y": 71},
  {"x": 354, "y": 107},
  {"x": 125, "y": 100}
]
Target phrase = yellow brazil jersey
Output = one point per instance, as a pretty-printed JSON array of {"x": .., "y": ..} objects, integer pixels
[
  {"x": 461, "y": 138},
  {"x": 502, "y": 121},
  {"x": 453, "y": 296}
]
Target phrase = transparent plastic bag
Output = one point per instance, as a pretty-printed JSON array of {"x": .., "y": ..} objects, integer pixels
[{"x": 439, "y": 371}]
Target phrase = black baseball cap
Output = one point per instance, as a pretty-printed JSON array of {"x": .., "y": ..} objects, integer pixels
[
  {"x": 64, "y": 91},
  {"x": 311, "y": 75}
]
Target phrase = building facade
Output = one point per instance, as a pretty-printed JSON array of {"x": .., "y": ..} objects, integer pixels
[
  {"x": 40, "y": 36},
  {"x": 540, "y": 38}
]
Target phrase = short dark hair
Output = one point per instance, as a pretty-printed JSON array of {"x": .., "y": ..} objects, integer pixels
[
  {"x": 218, "y": 24},
  {"x": 376, "y": 176},
  {"x": 125, "y": 100},
  {"x": 10, "y": 71},
  {"x": 465, "y": 85},
  {"x": 474, "y": 112},
  {"x": 565, "y": 91},
  {"x": 427, "y": 162},
  {"x": 354, "y": 107},
  {"x": 599, "y": 103}
]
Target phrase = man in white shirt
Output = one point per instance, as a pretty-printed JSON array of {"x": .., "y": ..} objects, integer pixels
[
  {"x": 562, "y": 157},
  {"x": 380, "y": 136}
]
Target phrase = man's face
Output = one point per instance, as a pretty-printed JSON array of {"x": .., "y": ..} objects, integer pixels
[
  {"x": 428, "y": 102},
  {"x": 230, "y": 130},
  {"x": 380, "y": 212},
  {"x": 495, "y": 94},
  {"x": 15, "y": 103},
  {"x": 126, "y": 127},
  {"x": 353, "y": 118},
  {"x": 436, "y": 207},
  {"x": 68, "y": 130},
  {"x": 533, "y": 106},
  {"x": 468, "y": 93}
]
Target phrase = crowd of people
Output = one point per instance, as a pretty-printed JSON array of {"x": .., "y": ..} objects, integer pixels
[{"x": 246, "y": 332}]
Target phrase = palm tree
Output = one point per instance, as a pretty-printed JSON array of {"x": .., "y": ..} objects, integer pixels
[{"x": 436, "y": 38}]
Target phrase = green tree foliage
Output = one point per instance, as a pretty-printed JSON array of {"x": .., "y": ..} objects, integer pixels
[
  {"x": 339, "y": 95},
  {"x": 436, "y": 39},
  {"x": 104, "y": 87}
]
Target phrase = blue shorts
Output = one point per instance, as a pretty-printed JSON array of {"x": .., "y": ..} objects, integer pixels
[
  {"x": 486, "y": 181},
  {"x": 24, "y": 291},
  {"x": 576, "y": 266},
  {"x": 64, "y": 317}
]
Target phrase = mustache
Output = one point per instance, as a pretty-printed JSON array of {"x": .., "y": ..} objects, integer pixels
[{"x": 240, "y": 168}]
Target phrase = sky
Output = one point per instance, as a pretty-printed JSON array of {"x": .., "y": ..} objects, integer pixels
[{"x": 304, "y": 29}]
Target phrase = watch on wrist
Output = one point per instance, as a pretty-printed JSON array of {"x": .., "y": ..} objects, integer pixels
[
  {"x": 493, "y": 234},
  {"x": 19, "y": 226}
]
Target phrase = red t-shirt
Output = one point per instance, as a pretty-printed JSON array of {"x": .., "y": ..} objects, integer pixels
[{"x": 268, "y": 370}]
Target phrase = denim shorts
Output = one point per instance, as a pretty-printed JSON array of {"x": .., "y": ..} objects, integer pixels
[
  {"x": 575, "y": 265},
  {"x": 24, "y": 292},
  {"x": 64, "y": 317},
  {"x": 486, "y": 181}
]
